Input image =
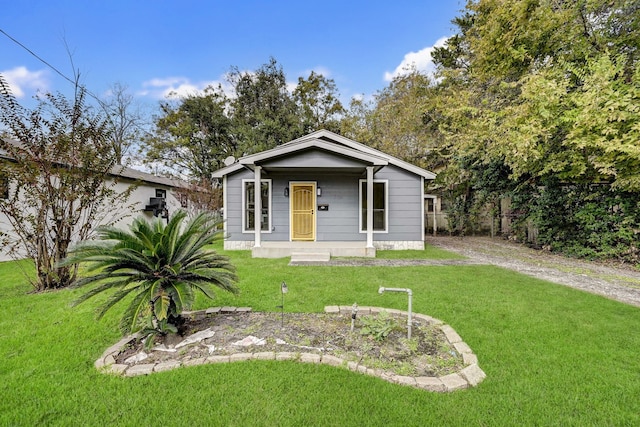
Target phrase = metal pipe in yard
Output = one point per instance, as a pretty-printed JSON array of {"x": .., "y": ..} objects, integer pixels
[
  {"x": 354, "y": 313},
  {"x": 381, "y": 290}
]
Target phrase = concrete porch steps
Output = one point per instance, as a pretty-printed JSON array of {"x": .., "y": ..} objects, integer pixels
[
  {"x": 297, "y": 257},
  {"x": 332, "y": 249}
]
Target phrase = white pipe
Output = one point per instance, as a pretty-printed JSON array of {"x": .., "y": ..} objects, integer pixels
[
  {"x": 354, "y": 312},
  {"x": 381, "y": 290}
]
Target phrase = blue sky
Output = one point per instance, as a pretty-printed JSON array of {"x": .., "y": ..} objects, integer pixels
[{"x": 157, "y": 46}]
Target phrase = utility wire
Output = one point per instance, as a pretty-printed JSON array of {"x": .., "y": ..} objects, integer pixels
[
  {"x": 102, "y": 104},
  {"x": 53, "y": 68},
  {"x": 36, "y": 56}
]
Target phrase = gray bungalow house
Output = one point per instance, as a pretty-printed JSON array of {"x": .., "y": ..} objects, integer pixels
[{"x": 322, "y": 194}]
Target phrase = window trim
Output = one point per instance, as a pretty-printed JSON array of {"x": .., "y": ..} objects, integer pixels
[
  {"x": 386, "y": 205},
  {"x": 244, "y": 205},
  {"x": 431, "y": 205}
]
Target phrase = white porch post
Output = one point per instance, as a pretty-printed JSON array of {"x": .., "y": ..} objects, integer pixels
[
  {"x": 369, "y": 206},
  {"x": 257, "y": 194},
  {"x": 435, "y": 220},
  {"x": 422, "y": 211},
  {"x": 225, "y": 204}
]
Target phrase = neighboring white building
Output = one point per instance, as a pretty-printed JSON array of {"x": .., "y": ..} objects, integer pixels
[{"x": 152, "y": 196}]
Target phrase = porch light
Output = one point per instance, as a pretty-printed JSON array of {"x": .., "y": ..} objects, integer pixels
[
  {"x": 319, "y": 191},
  {"x": 286, "y": 191}
]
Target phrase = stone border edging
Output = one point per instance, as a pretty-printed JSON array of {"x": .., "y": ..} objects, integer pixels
[{"x": 470, "y": 376}]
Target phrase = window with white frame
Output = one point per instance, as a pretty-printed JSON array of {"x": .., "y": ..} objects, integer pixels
[
  {"x": 249, "y": 207},
  {"x": 380, "y": 205},
  {"x": 431, "y": 205}
]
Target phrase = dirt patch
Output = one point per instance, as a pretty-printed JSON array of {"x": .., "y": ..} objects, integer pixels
[
  {"x": 616, "y": 281},
  {"x": 427, "y": 353}
]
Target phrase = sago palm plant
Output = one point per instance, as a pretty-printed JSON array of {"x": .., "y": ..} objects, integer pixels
[{"x": 159, "y": 266}]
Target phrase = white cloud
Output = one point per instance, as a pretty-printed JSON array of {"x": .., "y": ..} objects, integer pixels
[
  {"x": 420, "y": 60},
  {"x": 21, "y": 81},
  {"x": 178, "y": 87},
  {"x": 324, "y": 71}
]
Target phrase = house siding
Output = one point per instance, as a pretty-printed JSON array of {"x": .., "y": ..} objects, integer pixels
[
  {"x": 340, "y": 222},
  {"x": 233, "y": 210},
  {"x": 119, "y": 215},
  {"x": 340, "y": 191},
  {"x": 313, "y": 159},
  {"x": 405, "y": 205}
]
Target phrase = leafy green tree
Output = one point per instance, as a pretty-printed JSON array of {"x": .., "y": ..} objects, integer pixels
[
  {"x": 194, "y": 136},
  {"x": 264, "y": 113},
  {"x": 398, "y": 119},
  {"x": 357, "y": 121},
  {"x": 395, "y": 121},
  {"x": 523, "y": 70},
  {"x": 604, "y": 119},
  {"x": 159, "y": 266},
  {"x": 318, "y": 100},
  {"x": 548, "y": 89},
  {"x": 57, "y": 179}
]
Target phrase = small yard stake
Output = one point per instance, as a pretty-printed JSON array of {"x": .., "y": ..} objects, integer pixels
[
  {"x": 354, "y": 312},
  {"x": 283, "y": 290}
]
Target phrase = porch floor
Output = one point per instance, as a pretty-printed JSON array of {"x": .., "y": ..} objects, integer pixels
[{"x": 334, "y": 249}]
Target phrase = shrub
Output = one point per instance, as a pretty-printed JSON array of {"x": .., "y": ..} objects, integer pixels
[{"x": 160, "y": 265}]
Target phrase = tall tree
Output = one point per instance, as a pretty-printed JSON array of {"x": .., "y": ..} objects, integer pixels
[
  {"x": 357, "y": 121},
  {"x": 125, "y": 119},
  {"x": 194, "y": 136},
  {"x": 263, "y": 110},
  {"x": 520, "y": 69},
  {"x": 57, "y": 179},
  {"x": 318, "y": 100},
  {"x": 398, "y": 119},
  {"x": 547, "y": 88}
]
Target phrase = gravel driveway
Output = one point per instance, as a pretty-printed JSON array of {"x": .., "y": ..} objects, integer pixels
[{"x": 618, "y": 282}]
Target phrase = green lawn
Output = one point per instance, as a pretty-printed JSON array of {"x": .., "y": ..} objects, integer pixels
[{"x": 552, "y": 355}]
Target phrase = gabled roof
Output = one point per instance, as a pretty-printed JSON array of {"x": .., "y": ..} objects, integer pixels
[
  {"x": 119, "y": 171},
  {"x": 136, "y": 175},
  {"x": 326, "y": 141}
]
